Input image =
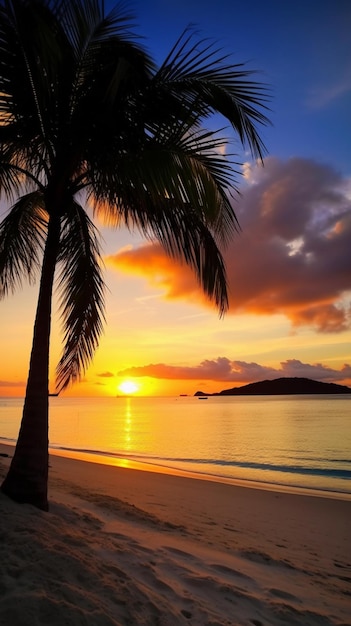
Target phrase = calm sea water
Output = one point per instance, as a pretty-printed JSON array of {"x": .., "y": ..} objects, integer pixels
[{"x": 294, "y": 441}]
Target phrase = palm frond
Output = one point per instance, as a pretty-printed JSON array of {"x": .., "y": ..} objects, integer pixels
[
  {"x": 85, "y": 22},
  {"x": 175, "y": 198},
  {"x": 204, "y": 77},
  {"x": 22, "y": 235},
  {"x": 197, "y": 170},
  {"x": 184, "y": 236},
  {"x": 33, "y": 59},
  {"x": 81, "y": 288},
  {"x": 185, "y": 166},
  {"x": 14, "y": 173},
  {"x": 105, "y": 49}
]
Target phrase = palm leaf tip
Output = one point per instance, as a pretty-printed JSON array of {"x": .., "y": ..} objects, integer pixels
[{"x": 22, "y": 235}]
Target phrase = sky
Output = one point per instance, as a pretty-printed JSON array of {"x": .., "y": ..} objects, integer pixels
[{"x": 289, "y": 270}]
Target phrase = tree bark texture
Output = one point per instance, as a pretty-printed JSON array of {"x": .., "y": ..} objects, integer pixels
[{"x": 27, "y": 478}]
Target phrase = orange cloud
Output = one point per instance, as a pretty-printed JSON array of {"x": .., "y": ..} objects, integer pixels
[
  {"x": 176, "y": 280},
  {"x": 12, "y": 383},
  {"x": 224, "y": 369},
  {"x": 292, "y": 258}
]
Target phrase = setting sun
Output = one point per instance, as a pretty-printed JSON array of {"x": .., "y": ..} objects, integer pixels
[{"x": 128, "y": 386}]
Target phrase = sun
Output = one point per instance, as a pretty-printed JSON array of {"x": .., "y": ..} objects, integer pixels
[{"x": 128, "y": 386}]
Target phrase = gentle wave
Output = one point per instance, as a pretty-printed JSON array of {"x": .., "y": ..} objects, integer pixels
[
  {"x": 292, "y": 469},
  {"x": 206, "y": 467}
]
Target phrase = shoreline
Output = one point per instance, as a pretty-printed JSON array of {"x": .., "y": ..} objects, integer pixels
[
  {"x": 122, "y": 546},
  {"x": 145, "y": 466}
]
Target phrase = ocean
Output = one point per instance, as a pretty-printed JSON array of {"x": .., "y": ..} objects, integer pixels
[{"x": 301, "y": 442}]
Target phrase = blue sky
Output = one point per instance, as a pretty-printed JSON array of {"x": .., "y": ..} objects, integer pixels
[{"x": 302, "y": 50}]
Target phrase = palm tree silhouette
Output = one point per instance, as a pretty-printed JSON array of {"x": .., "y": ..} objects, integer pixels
[{"x": 90, "y": 126}]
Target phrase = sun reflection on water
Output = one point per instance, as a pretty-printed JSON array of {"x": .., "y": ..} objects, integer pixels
[{"x": 128, "y": 422}]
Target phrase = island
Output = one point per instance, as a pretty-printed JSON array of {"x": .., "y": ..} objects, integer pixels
[{"x": 281, "y": 386}]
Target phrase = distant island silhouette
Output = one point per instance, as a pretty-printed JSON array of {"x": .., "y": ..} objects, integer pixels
[{"x": 281, "y": 386}]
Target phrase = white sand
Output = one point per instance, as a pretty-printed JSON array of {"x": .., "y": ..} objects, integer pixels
[{"x": 134, "y": 548}]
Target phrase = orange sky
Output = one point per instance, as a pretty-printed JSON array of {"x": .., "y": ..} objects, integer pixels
[{"x": 289, "y": 276}]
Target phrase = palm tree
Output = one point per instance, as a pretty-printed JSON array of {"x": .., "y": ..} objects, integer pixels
[{"x": 88, "y": 120}]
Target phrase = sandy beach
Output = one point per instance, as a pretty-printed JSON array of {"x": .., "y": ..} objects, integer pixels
[{"x": 126, "y": 547}]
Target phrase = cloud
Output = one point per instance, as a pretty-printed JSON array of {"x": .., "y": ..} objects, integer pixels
[
  {"x": 9, "y": 383},
  {"x": 293, "y": 367},
  {"x": 323, "y": 96},
  {"x": 150, "y": 261},
  {"x": 292, "y": 257},
  {"x": 223, "y": 369},
  {"x": 105, "y": 375}
]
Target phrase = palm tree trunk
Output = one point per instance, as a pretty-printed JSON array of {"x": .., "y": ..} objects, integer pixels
[{"x": 27, "y": 478}]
